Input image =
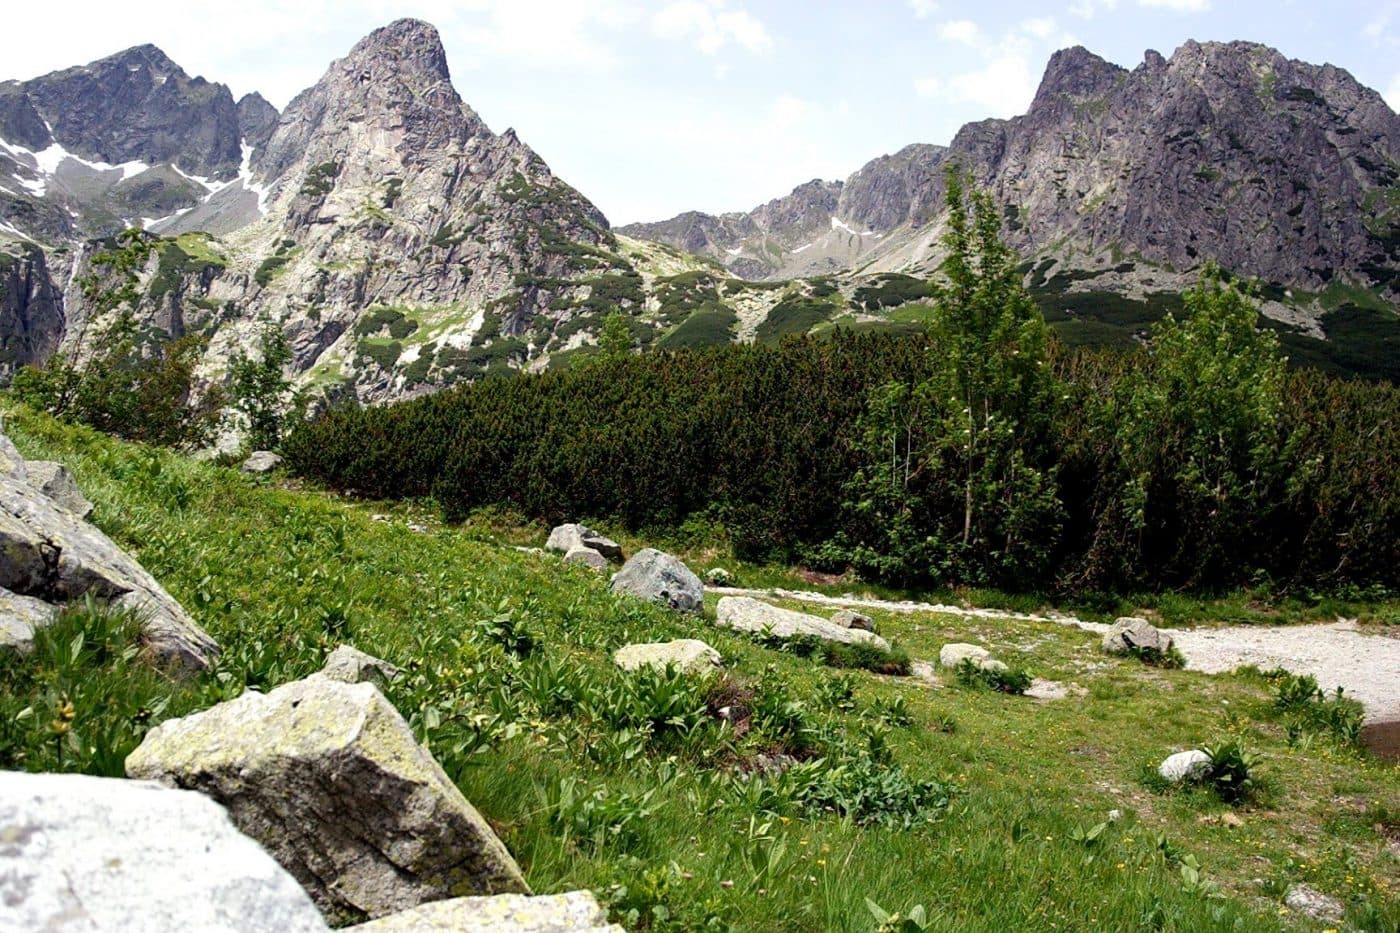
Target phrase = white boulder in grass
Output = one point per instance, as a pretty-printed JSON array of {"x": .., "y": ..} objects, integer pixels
[
  {"x": 746, "y": 614},
  {"x": 565, "y": 538},
  {"x": 687, "y": 655},
  {"x": 1185, "y": 766},
  {"x": 586, "y": 557},
  {"x": 575, "y": 912}
]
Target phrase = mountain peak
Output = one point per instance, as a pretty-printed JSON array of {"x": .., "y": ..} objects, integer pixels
[
  {"x": 405, "y": 46},
  {"x": 1076, "y": 73},
  {"x": 151, "y": 56}
]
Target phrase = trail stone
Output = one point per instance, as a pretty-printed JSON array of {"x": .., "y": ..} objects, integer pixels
[
  {"x": 1313, "y": 903},
  {"x": 329, "y": 777},
  {"x": 567, "y": 537},
  {"x": 81, "y": 853},
  {"x": 951, "y": 655},
  {"x": 1185, "y": 766},
  {"x": 1129, "y": 634},
  {"x": 54, "y": 481},
  {"x": 20, "y": 617},
  {"x": 586, "y": 557},
  {"x": 660, "y": 578},
  {"x": 350, "y": 665},
  {"x": 261, "y": 461},
  {"x": 746, "y": 614},
  {"x": 49, "y": 553},
  {"x": 575, "y": 912},
  {"x": 688, "y": 655},
  {"x": 849, "y": 618}
]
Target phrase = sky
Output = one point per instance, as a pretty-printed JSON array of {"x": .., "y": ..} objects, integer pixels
[{"x": 652, "y": 108}]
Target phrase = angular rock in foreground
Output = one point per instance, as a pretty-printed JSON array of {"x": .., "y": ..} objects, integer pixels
[
  {"x": 660, "y": 578},
  {"x": 82, "y": 853},
  {"x": 54, "y": 481},
  {"x": 567, "y": 537},
  {"x": 20, "y": 617},
  {"x": 329, "y": 778},
  {"x": 1130, "y": 635},
  {"x": 49, "y": 553},
  {"x": 750, "y": 615},
  {"x": 687, "y": 655},
  {"x": 849, "y": 618},
  {"x": 575, "y": 912}
]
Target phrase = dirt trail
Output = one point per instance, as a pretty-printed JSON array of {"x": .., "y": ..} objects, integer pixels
[{"x": 1366, "y": 664}]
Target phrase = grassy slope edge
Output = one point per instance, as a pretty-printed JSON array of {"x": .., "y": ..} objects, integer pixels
[{"x": 280, "y": 576}]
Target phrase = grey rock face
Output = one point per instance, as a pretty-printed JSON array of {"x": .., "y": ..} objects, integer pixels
[
  {"x": 20, "y": 617},
  {"x": 261, "y": 461},
  {"x": 1185, "y": 766},
  {"x": 576, "y": 912},
  {"x": 1130, "y": 634},
  {"x": 31, "y": 306},
  {"x": 660, "y": 578},
  {"x": 12, "y": 463},
  {"x": 745, "y": 614},
  {"x": 565, "y": 538},
  {"x": 586, "y": 557},
  {"x": 688, "y": 655},
  {"x": 352, "y": 666},
  {"x": 256, "y": 120},
  {"x": 329, "y": 778},
  {"x": 49, "y": 553},
  {"x": 54, "y": 481},
  {"x": 86, "y": 853}
]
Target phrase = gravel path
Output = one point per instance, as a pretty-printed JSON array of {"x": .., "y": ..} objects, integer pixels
[{"x": 1366, "y": 664}]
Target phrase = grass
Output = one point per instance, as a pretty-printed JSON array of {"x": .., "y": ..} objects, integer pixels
[{"x": 985, "y": 807}]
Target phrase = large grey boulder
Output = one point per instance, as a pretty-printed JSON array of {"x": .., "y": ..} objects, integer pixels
[
  {"x": 20, "y": 617},
  {"x": 687, "y": 655},
  {"x": 660, "y": 578},
  {"x": 352, "y": 666},
  {"x": 49, "y": 553},
  {"x": 328, "y": 776},
  {"x": 261, "y": 461},
  {"x": 952, "y": 655},
  {"x": 1131, "y": 636},
  {"x": 1185, "y": 766},
  {"x": 54, "y": 481},
  {"x": 849, "y": 618},
  {"x": 567, "y": 537},
  {"x": 575, "y": 912},
  {"x": 85, "y": 854},
  {"x": 746, "y": 614},
  {"x": 586, "y": 557}
]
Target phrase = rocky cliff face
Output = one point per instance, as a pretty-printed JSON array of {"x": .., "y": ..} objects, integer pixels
[
  {"x": 1275, "y": 168},
  {"x": 31, "y": 309}
]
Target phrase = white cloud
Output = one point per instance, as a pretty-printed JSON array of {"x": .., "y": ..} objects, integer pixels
[
  {"x": 1392, "y": 94},
  {"x": 1088, "y": 9},
  {"x": 710, "y": 25},
  {"x": 1042, "y": 27},
  {"x": 959, "y": 30},
  {"x": 923, "y": 9},
  {"x": 1004, "y": 87},
  {"x": 1178, "y": 6}
]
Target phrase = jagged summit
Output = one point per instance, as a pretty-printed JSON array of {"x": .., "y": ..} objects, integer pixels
[{"x": 1076, "y": 73}]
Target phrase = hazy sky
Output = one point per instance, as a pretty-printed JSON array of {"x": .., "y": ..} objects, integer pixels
[{"x": 651, "y": 108}]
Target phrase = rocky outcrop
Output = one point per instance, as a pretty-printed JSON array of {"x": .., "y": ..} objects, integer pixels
[
  {"x": 329, "y": 777},
  {"x": 849, "y": 618},
  {"x": 576, "y": 912},
  {"x": 54, "y": 481},
  {"x": 565, "y": 538},
  {"x": 687, "y": 655},
  {"x": 352, "y": 666},
  {"x": 1137, "y": 636},
  {"x": 745, "y": 614},
  {"x": 31, "y": 307},
  {"x": 660, "y": 578},
  {"x": 20, "y": 618},
  {"x": 48, "y": 552},
  {"x": 257, "y": 119},
  {"x": 85, "y": 853}
]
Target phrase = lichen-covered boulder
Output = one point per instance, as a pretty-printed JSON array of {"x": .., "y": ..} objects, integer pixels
[
  {"x": 951, "y": 655},
  {"x": 20, "y": 617},
  {"x": 49, "y": 553},
  {"x": 660, "y": 578},
  {"x": 586, "y": 557},
  {"x": 1185, "y": 766},
  {"x": 688, "y": 655},
  {"x": 1130, "y": 635},
  {"x": 328, "y": 776},
  {"x": 575, "y": 912},
  {"x": 81, "y": 853},
  {"x": 352, "y": 666},
  {"x": 54, "y": 481},
  {"x": 745, "y": 614},
  {"x": 261, "y": 461},
  {"x": 565, "y": 538}
]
